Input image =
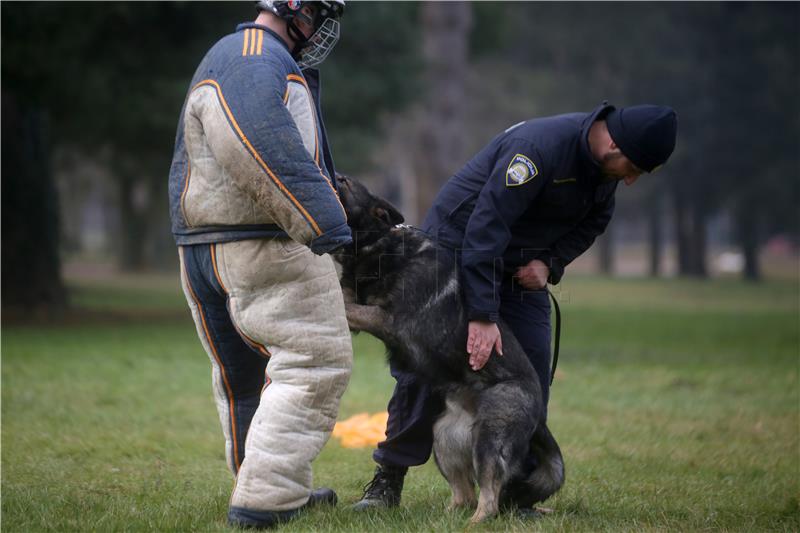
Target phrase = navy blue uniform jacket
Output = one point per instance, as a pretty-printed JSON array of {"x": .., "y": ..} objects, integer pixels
[{"x": 534, "y": 192}]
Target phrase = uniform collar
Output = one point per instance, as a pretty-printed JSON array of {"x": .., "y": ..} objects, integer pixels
[
  {"x": 598, "y": 113},
  {"x": 274, "y": 35}
]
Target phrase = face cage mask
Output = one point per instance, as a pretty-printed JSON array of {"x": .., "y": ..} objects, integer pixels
[{"x": 320, "y": 44}]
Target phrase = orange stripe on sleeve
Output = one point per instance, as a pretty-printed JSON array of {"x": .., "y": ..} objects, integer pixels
[
  {"x": 258, "y": 158},
  {"x": 260, "y": 42},
  {"x": 186, "y": 188},
  {"x": 252, "y": 41},
  {"x": 246, "y": 38},
  {"x": 302, "y": 80}
]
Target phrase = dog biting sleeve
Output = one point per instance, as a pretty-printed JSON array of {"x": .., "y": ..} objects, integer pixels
[
  {"x": 514, "y": 181},
  {"x": 255, "y": 138}
]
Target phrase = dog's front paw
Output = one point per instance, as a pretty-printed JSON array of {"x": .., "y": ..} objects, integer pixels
[
  {"x": 461, "y": 503},
  {"x": 478, "y": 517}
]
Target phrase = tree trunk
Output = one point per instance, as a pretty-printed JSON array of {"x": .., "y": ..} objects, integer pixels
[
  {"x": 31, "y": 279},
  {"x": 699, "y": 241},
  {"x": 161, "y": 246},
  {"x": 445, "y": 34},
  {"x": 605, "y": 246},
  {"x": 133, "y": 223},
  {"x": 747, "y": 234},
  {"x": 690, "y": 233},
  {"x": 656, "y": 235},
  {"x": 682, "y": 235}
]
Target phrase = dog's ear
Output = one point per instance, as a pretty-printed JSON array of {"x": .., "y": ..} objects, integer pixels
[{"x": 387, "y": 213}]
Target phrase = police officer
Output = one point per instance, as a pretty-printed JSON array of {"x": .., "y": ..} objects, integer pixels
[
  {"x": 518, "y": 213},
  {"x": 254, "y": 210}
]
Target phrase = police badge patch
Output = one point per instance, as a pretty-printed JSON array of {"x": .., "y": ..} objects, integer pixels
[{"x": 521, "y": 170}]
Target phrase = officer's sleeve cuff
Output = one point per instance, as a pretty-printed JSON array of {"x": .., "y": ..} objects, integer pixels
[
  {"x": 483, "y": 316},
  {"x": 556, "y": 271},
  {"x": 556, "y": 268}
]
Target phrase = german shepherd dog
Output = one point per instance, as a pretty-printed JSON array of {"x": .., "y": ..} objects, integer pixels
[{"x": 403, "y": 289}]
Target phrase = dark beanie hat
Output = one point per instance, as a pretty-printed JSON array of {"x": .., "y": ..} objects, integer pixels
[{"x": 645, "y": 133}]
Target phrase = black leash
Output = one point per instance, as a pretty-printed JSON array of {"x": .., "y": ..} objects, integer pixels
[{"x": 558, "y": 336}]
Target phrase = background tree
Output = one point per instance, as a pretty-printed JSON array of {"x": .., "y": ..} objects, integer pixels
[
  {"x": 729, "y": 69},
  {"x": 31, "y": 280},
  {"x": 445, "y": 27},
  {"x": 111, "y": 79},
  {"x": 412, "y": 91},
  {"x": 757, "y": 141}
]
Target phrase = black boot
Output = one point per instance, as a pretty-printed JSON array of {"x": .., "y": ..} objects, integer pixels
[
  {"x": 249, "y": 519},
  {"x": 384, "y": 489}
]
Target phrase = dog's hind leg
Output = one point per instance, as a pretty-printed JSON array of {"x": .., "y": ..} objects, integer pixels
[
  {"x": 504, "y": 425},
  {"x": 452, "y": 450},
  {"x": 490, "y": 480}
]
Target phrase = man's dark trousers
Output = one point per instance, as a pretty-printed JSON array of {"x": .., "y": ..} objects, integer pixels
[{"x": 413, "y": 408}]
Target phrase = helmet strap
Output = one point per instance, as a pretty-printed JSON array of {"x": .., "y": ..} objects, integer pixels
[
  {"x": 296, "y": 35},
  {"x": 294, "y": 32}
]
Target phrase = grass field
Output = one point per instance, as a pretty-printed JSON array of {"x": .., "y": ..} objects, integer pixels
[{"x": 676, "y": 405}]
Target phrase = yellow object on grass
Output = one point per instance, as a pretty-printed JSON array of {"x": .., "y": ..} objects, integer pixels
[{"x": 361, "y": 430}]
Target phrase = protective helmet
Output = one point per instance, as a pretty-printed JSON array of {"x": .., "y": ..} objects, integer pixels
[{"x": 312, "y": 51}]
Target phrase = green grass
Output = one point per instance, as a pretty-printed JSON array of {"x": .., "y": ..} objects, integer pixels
[{"x": 676, "y": 405}]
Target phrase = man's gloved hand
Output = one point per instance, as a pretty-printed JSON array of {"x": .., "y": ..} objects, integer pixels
[
  {"x": 481, "y": 338},
  {"x": 533, "y": 276}
]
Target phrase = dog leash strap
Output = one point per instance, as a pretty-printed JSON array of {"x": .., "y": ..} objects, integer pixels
[{"x": 558, "y": 336}]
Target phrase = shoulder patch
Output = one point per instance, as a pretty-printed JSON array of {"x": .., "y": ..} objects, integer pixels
[{"x": 521, "y": 170}]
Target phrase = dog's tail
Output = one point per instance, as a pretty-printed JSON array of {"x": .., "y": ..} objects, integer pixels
[
  {"x": 543, "y": 479},
  {"x": 548, "y": 476}
]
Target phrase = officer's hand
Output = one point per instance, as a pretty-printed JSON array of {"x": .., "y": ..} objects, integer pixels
[
  {"x": 481, "y": 338},
  {"x": 533, "y": 276}
]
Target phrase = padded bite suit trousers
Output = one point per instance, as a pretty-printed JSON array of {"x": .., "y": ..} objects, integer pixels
[{"x": 270, "y": 315}]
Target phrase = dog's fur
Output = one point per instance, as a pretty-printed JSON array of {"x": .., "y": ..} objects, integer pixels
[{"x": 404, "y": 290}]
